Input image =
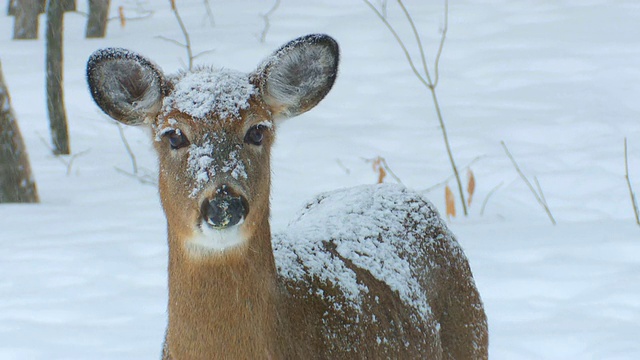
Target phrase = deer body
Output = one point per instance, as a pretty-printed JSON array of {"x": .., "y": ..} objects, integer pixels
[{"x": 366, "y": 273}]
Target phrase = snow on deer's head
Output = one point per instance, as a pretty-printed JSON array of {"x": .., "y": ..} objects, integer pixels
[{"x": 213, "y": 131}]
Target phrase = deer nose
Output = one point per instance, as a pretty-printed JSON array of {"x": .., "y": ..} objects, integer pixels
[{"x": 225, "y": 209}]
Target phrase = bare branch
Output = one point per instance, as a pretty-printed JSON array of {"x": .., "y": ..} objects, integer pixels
[
  {"x": 486, "y": 199},
  {"x": 203, "y": 53},
  {"x": 207, "y": 6},
  {"x": 134, "y": 163},
  {"x": 382, "y": 161},
  {"x": 267, "y": 23},
  {"x": 176, "y": 42},
  {"x": 400, "y": 42},
  {"x": 632, "y": 195},
  {"x": 185, "y": 33},
  {"x": 538, "y": 197},
  {"x": 445, "y": 27},
  {"x": 343, "y": 167},
  {"x": 427, "y": 82},
  {"x": 417, "y": 36},
  {"x": 452, "y": 176}
]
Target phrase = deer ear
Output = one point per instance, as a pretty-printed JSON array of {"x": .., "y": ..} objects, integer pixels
[
  {"x": 299, "y": 74},
  {"x": 125, "y": 85}
]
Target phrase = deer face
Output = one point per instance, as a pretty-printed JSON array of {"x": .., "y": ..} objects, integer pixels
[{"x": 213, "y": 131}]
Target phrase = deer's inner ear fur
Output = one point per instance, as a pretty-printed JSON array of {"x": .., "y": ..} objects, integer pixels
[
  {"x": 125, "y": 85},
  {"x": 299, "y": 74}
]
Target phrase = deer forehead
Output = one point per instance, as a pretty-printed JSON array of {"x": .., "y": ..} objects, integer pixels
[{"x": 209, "y": 94}]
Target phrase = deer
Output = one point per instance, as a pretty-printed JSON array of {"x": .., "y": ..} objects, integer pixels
[{"x": 370, "y": 272}]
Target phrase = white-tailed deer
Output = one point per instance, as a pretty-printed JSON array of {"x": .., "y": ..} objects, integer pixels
[{"x": 365, "y": 273}]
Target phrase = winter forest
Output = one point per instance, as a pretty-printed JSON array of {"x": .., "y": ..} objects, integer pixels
[{"x": 518, "y": 120}]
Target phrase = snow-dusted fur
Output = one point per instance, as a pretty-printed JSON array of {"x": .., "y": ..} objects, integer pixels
[
  {"x": 364, "y": 273},
  {"x": 378, "y": 275}
]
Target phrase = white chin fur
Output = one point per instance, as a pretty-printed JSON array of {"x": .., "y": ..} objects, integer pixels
[{"x": 210, "y": 241}]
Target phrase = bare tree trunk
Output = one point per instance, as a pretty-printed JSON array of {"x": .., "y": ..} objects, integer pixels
[
  {"x": 68, "y": 5},
  {"x": 25, "y": 25},
  {"x": 16, "y": 181},
  {"x": 98, "y": 18},
  {"x": 54, "y": 78}
]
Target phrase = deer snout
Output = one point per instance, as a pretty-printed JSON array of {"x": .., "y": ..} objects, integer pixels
[{"x": 224, "y": 209}]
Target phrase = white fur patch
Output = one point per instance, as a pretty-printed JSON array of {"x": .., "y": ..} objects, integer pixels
[{"x": 210, "y": 241}]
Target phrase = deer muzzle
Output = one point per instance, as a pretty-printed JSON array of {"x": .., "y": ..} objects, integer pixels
[{"x": 224, "y": 209}]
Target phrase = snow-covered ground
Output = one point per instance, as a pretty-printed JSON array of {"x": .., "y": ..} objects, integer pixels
[{"x": 83, "y": 274}]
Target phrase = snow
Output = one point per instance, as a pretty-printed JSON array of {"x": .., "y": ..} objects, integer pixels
[
  {"x": 84, "y": 272},
  {"x": 202, "y": 167},
  {"x": 206, "y": 91}
]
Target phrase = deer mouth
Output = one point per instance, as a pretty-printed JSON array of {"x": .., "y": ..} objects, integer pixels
[{"x": 224, "y": 210}]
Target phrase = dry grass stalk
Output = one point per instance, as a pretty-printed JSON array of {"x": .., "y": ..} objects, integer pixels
[
  {"x": 450, "y": 202},
  {"x": 471, "y": 186},
  {"x": 634, "y": 202},
  {"x": 539, "y": 196}
]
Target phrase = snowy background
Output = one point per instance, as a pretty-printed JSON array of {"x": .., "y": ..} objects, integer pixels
[{"x": 83, "y": 274}]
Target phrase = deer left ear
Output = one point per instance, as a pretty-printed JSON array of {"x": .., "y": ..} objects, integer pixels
[
  {"x": 125, "y": 85},
  {"x": 298, "y": 75}
]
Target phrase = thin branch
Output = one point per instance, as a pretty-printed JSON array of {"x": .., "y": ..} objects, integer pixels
[
  {"x": 343, "y": 167},
  {"x": 537, "y": 196},
  {"x": 631, "y": 193},
  {"x": 176, "y": 42},
  {"x": 267, "y": 23},
  {"x": 445, "y": 27},
  {"x": 207, "y": 6},
  {"x": 417, "y": 36},
  {"x": 382, "y": 161},
  {"x": 187, "y": 40},
  {"x": 203, "y": 53},
  {"x": 442, "y": 183},
  {"x": 134, "y": 163},
  {"x": 428, "y": 83},
  {"x": 144, "y": 179},
  {"x": 400, "y": 42},
  {"x": 486, "y": 199}
]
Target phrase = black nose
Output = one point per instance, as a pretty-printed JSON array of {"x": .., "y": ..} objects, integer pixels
[{"x": 224, "y": 210}]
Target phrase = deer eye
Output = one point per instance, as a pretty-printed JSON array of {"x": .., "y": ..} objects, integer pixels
[
  {"x": 177, "y": 139},
  {"x": 255, "y": 135}
]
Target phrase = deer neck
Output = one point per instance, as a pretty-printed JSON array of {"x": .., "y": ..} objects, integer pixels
[{"x": 224, "y": 305}]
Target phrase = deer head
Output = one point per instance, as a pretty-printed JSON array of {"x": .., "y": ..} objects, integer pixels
[{"x": 213, "y": 131}]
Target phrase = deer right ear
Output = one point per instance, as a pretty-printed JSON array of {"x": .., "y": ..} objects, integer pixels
[
  {"x": 299, "y": 74},
  {"x": 125, "y": 85}
]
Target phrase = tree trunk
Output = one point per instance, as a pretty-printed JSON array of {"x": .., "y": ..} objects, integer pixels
[
  {"x": 98, "y": 18},
  {"x": 54, "y": 78},
  {"x": 16, "y": 181},
  {"x": 68, "y": 5},
  {"x": 25, "y": 25}
]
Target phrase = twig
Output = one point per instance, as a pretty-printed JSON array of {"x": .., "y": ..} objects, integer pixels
[
  {"x": 176, "y": 42},
  {"x": 134, "y": 163},
  {"x": 486, "y": 199},
  {"x": 144, "y": 179},
  {"x": 207, "y": 6},
  {"x": 267, "y": 23},
  {"x": 538, "y": 197},
  {"x": 68, "y": 162},
  {"x": 390, "y": 172},
  {"x": 187, "y": 40},
  {"x": 382, "y": 161},
  {"x": 445, "y": 181},
  {"x": 346, "y": 169},
  {"x": 631, "y": 193},
  {"x": 426, "y": 79},
  {"x": 445, "y": 28}
]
